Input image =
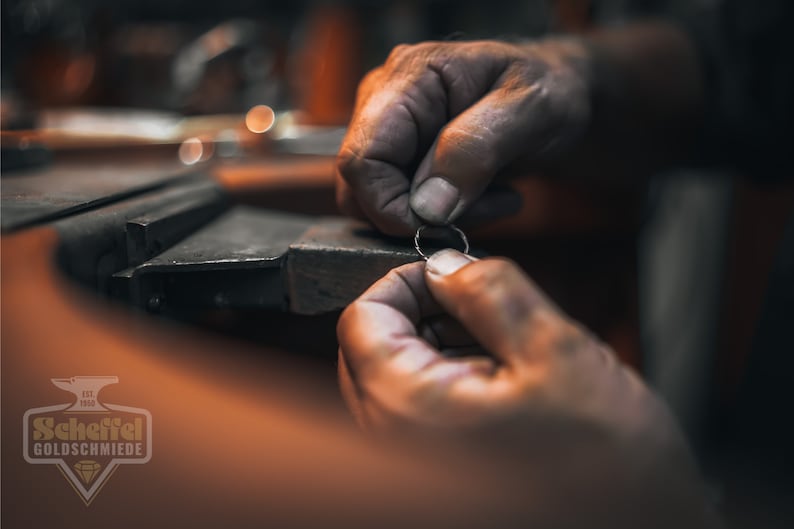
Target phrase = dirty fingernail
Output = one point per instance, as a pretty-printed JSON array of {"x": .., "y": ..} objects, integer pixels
[
  {"x": 435, "y": 200},
  {"x": 449, "y": 261}
]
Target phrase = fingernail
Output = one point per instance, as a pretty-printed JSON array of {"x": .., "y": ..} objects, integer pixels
[
  {"x": 435, "y": 200},
  {"x": 449, "y": 261}
]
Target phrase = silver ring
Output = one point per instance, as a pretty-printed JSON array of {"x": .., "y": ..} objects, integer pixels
[{"x": 451, "y": 227}]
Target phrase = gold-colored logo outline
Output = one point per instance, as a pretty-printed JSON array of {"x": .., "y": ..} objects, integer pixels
[{"x": 87, "y": 494}]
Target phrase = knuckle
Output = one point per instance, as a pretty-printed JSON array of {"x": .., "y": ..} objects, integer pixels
[
  {"x": 403, "y": 53},
  {"x": 412, "y": 53},
  {"x": 367, "y": 83},
  {"x": 524, "y": 72},
  {"x": 371, "y": 76},
  {"x": 344, "y": 161},
  {"x": 349, "y": 165},
  {"x": 397, "y": 52}
]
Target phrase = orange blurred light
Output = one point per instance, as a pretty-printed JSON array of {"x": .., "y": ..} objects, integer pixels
[
  {"x": 260, "y": 118},
  {"x": 192, "y": 151}
]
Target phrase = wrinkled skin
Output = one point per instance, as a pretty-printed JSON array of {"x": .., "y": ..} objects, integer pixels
[
  {"x": 438, "y": 121},
  {"x": 478, "y": 345},
  {"x": 472, "y": 353}
]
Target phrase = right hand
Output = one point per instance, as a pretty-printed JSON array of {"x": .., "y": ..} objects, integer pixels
[
  {"x": 436, "y": 123},
  {"x": 468, "y": 343},
  {"x": 470, "y": 353}
]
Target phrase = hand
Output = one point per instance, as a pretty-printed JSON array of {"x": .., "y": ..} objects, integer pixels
[
  {"x": 434, "y": 125},
  {"x": 473, "y": 350},
  {"x": 462, "y": 342}
]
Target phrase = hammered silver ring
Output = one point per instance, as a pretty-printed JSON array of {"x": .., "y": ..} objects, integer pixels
[{"x": 452, "y": 227}]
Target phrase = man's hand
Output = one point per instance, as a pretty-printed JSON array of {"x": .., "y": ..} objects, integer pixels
[
  {"x": 463, "y": 342},
  {"x": 471, "y": 353},
  {"x": 436, "y": 123}
]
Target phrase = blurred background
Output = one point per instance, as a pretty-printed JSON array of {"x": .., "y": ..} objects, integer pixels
[
  {"x": 671, "y": 271},
  {"x": 197, "y": 57}
]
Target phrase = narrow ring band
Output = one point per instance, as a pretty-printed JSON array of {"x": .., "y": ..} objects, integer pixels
[{"x": 451, "y": 227}]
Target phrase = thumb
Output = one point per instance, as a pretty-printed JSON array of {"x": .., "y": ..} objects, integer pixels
[
  {"x": 532, "y": 110},
  {"x": 497, "y": 304},
  {"x": 460, "y": 164},
  {"x": 474, "y": 146}
]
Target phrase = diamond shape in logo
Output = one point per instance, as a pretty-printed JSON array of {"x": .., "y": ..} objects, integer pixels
[{"x": 87, "y": 470}]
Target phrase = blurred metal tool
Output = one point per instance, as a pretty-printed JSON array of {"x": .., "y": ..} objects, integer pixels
[{"x": 191, "y": 62}]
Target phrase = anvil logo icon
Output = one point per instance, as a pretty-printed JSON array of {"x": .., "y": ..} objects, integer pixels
[{"x": 87, "y": 439}]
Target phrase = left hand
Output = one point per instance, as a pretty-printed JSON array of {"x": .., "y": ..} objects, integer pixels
[{"x": 436, "y": 123}]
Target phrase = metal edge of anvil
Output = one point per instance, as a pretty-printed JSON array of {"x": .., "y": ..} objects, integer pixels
[
  {"x": 242, "y": 237},
  {"x": 325, "y": 262},
  {"x": 335, "y": 261},
  {"x": 22, "y": 211}
]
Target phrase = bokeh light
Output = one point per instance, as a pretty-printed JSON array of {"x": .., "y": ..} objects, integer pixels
[
  {"x": 194, "y": 150},
  {"x": 260, "y": 119}
]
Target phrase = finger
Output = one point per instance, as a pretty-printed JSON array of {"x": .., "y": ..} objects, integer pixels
[
  {"x": 393, "y": 123},
  {"x": 443, "y": 332},
  {"x": 381, "y": 192},
  {"x": 467, "y": 154},
  {"x": 385, "y": 317},
  {"x": 392, "y": 366},
  {"x": 524, "y": 114},
  {"x": 501, "y": 308},
  {"x": 346, "y": 200}
]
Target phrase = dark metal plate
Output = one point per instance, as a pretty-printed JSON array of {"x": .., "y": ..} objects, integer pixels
[{"x": 49, "y": 193}]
